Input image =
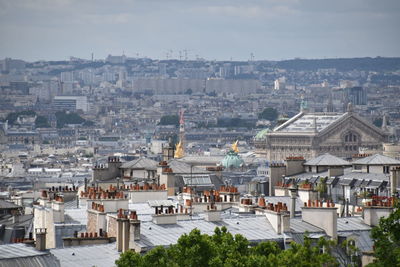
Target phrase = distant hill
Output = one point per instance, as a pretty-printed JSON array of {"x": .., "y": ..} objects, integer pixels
[{"x": 342, "y": 64}]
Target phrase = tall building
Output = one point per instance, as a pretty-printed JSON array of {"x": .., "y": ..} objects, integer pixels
[
  {"x": 71, "y": 103},
  {"x": 280, "y": 84},
  {"x": 356, "y": 95}
]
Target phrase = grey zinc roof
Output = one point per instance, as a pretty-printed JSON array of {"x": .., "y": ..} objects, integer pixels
[
  {"x": 327, "y": 160},
  {"x": 255, "y": 229},
  {"x": 355, "y": 223},
  {"x": 22, "y": 255},
  {"x": 18, "y": 250},
  {"x": 297, "y": 225},
  {"x": 140, "y": 163},
  {"x": 305, "y": 122},
  {"x": 179, "y": 167},
  {"x": 366, "y": 176},
  {"x": 87, "y": 256},
  {"x": 8, "y": 205},
  {"x": 377, "y": 159}
]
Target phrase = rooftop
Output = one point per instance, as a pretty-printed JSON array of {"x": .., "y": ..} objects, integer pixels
[
  {"x": 327, "y": 160},
  {"x": 140, "y": 163},
  {"x": 377, "y": 159},
  {"x": 304, "y": 122}
]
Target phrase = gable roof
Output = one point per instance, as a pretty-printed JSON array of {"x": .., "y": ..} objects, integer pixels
[
  {"x": 377, "y": 159},
  {"x": 303, "y": 123},
  {"x": 140, "y": 163},
  {"x": 327, "y": 160}
]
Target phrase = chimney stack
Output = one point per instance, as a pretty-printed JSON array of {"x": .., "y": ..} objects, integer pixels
[
  {"x": 40, "y": 239},
  {"x": 277, "y": 170},
  {"x": 293, "y": 197},
  {"x": 394, "y": 180},
  {"x": 320, "y": 216}
]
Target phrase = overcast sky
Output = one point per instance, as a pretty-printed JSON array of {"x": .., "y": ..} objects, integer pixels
[{"x": 212, "y": 29}]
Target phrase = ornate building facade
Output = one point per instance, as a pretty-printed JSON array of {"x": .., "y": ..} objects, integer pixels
[{"x": 313, "y": 134}]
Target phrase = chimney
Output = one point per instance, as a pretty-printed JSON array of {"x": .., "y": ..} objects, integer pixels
[
  {"x": 293, "y": 197},
  {"x": 125, "y": 234},
  {"x": 134, "y": 229},
  {"x": 169, "y": 217},
  {"x": 334, "y": 171},
  {"x": 57, "y": 206},
  {"x": 378, "y": 208},
  {"x": 324, "y": 217},
  {"x": 294, "y": 165},
  {"x": 279, "y": 219},
  {"x": 277, "y": 170},
  {"x": 122, "y": 231},
  {"x": 212, "y": 215},
  {"x": 40, "y": 239},
  {"x": 394, "y": 180},
  {"x": 167, "y": 177}
]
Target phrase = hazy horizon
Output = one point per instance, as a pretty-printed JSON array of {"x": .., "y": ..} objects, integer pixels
[{"x": 214, "y": 30}]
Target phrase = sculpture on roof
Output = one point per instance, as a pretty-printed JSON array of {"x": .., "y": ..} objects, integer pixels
[
  {"x": 303, "y": 104},
  {"x": 235, "y": 146},
  {"x": 179, "y": 152}
]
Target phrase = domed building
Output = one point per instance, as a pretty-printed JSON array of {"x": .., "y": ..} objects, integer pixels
[{"x": 232, "y": 160}]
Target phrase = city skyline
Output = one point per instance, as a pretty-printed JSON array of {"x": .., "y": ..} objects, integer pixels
[{"x": 221, "y": 30}]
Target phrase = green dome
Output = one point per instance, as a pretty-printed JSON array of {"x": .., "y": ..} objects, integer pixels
[
  {"x": 232, "y": 160},
  {"x": 261, "y": 134}
]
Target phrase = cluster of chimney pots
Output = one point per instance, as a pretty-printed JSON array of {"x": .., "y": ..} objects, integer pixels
[
  {"x": 124, "y": 214},
  {"x": 319, "y": 204}
]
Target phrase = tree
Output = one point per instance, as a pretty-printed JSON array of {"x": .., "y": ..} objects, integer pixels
[
  {"x": 386, "y": 238},
  {"x": 268, "y": 114},
  {"x": 169, "y": 120},
  {"x": 225, "y": 249},
  {"x": 41, "y": 122},
  {"x": 13, "y": 116},
  {"x": 64, "y": 118}
]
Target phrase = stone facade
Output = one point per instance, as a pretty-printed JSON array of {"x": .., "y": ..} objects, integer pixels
[{"x": 341, "y": 135}]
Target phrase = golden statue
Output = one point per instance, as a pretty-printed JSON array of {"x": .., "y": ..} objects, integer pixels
[
  {"x": 179, "y": 151},
  {"x": 235, "y": 146}
]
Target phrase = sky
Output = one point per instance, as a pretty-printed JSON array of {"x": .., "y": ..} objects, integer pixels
[{"x": 211, "y": 29}]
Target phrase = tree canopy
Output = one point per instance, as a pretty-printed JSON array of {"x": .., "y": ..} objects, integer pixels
[
  {"x": 224, "y": 249},
  {"x": 13, "y": 116},
  {"x": 169, "y": 120},
  {"x": 386, "y": 238},
  {"x": 64, "y": 118},
  {"x": 268, "y": 114},
  {"x": 41, "y": 122}
]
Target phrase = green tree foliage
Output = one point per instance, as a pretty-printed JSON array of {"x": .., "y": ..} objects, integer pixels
[
  {"x": 386, "y": 238},
  {"x": 378, "y": 122},
  {"x": 268, "y": 114},
  {"x": 169, "y": 120},
  {"x": 41, "y": 122},
  {"x": 13, "y": 116},
  {"x": 224, "y": 249},
  {"x": 64, "y": 118}
]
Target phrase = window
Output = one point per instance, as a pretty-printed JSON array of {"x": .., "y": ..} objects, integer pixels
[{"x": 386, "y": 169}]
